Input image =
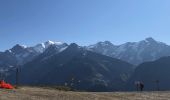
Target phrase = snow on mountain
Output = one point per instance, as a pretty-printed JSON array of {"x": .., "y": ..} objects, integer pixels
[
  {"x": 133, "y": 52},
  {"x": 105, "y": 48},
  {"x": 39, "y": 47},
  {"x": 63, "y": 48},
  {"x": 43, "y": 46},
  {"x": 20, "y": 54}
]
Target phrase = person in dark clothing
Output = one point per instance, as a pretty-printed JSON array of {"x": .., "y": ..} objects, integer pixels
[
  {"x": 137, "y": 84},
  {"x": 141, "y": 85}
]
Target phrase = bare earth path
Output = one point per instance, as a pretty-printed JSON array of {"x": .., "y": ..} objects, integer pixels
[{"x": 30, "y": 93}]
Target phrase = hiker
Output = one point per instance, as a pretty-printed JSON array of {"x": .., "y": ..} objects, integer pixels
[
  {"x": 137, "y": 84},
  {"x": 141, "y": 86}
]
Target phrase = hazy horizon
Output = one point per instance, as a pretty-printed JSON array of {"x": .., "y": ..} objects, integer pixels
[{"x": 82, "y": 21}]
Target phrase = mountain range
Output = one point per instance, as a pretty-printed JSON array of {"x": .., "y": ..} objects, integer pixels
[
  {"x": 78, "y": 68},
  {"x": 133, "y": 52},
  {"x": 20, "y": 54},
  {"x": 99, "y": 67}
]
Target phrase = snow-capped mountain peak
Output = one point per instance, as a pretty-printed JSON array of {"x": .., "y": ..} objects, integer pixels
[
  {"x": 18, "y": 48},
  {"x": 100, "y": 44},
  {"x": 49, "y": 42},
  {"x": 133, "y": 52},
  {"x": 43, "y": 46},
  {"x": 39, "y": 47},
  {"x": 24, "y": 46}
]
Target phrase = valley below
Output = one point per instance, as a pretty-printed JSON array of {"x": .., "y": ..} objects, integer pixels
[{"x": 36, "y": 93}]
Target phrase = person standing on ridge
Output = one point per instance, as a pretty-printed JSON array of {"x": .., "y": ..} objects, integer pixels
[{"x": 141, "y": 85}]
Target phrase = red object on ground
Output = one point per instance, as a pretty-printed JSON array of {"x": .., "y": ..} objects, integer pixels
[{"x": 5, "y": 85}]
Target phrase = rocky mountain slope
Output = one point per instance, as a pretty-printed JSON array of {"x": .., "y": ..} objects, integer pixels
[
  {"x": 133, "y": 52},
  {"x": 78, "y": 68}
]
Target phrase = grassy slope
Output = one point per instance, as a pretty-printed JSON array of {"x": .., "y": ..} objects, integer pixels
[{"x": 30, "y": 93}]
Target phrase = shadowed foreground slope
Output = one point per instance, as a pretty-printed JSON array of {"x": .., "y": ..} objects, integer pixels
[
  {"x": 30, "y": 93},
  {"x": 76, "y": 68}
]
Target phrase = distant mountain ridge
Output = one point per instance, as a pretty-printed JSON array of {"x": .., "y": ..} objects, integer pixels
[
  {"x": 20, "y": 54},
  {"x": 133, "y": 52}
]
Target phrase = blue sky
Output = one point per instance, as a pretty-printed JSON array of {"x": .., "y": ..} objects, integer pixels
[{"x": 82, "y": 21}]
